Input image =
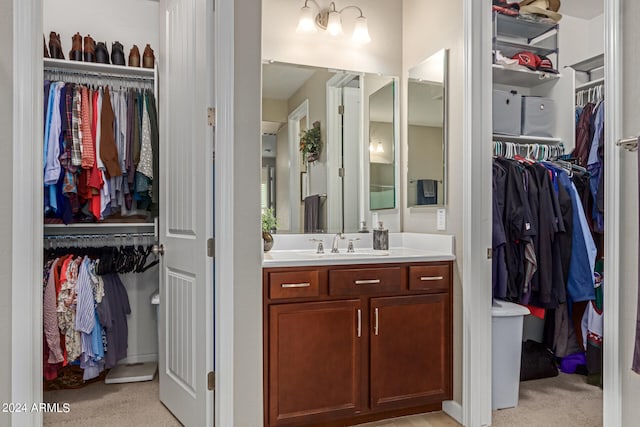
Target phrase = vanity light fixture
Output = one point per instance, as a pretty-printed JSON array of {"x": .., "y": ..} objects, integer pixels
[{"x": 330, "y": 20}]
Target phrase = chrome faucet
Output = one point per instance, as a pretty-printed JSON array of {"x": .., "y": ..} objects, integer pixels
[
  {"x": 320, "y": 248},
  {"x": 334, "y": 246}
]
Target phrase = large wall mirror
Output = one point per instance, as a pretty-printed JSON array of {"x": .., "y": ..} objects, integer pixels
[
  {"x": 427, "y": 132},
  {"x": 329, "y": 194},
  {"x": 382, "y": 183}
]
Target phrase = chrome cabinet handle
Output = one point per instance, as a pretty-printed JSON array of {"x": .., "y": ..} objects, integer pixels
[
  {"x": 431, "y": 278},
  {"x": 375, "y": 327},
  {"x": 359, "y": 323},
  {"x": 296, "y": 285},
  {"x": 367, "y": 282}
]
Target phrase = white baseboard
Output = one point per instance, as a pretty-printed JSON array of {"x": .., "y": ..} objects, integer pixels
[
  {"x": 453, "y": 409},
  {"x": 139, "y": 358}
]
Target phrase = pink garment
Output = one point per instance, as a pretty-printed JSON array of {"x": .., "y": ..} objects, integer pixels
[{"x": 50, "y": 319}]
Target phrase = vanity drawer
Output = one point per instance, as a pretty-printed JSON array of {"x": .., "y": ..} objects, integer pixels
[
  {"x": 364, "y": 281},
  {"x": 294, "y": 284},
  {"x": 429, "y": 277}
]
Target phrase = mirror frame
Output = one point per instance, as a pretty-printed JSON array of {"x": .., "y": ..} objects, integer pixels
[{"x": 445, "y": 134}]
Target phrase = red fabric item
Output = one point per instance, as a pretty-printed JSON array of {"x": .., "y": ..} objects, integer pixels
[
  {"x": 537, "y": 311},
  {"x": 506, "y": 11},
  {"x": 88, "y": 154},
  {"x": 95, "y": 179},
  {"x": 528, "y": 59},
  {"x": 50, "y": 370}
]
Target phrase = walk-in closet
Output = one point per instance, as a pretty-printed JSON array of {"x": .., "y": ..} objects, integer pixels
[
  {"x": 102, "y": 214},
  {"x": 548, "y": 206}
]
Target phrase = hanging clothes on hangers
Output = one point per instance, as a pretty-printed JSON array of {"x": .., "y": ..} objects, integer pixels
[
  {"x": 85, "y": 305},
  {"x": 101, "y": 152}
]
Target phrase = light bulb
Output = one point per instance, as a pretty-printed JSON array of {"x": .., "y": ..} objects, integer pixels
[
  {"x": 334, "y": 24},
  {"x": 306, "y": 23},
  {"x": 380, "y": 148},
  {"x": 371, "y": 148},
  {"x": 361, "y": 31}
]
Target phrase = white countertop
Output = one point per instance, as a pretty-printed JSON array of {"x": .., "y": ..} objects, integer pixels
[{"x": 297, "y": 251}]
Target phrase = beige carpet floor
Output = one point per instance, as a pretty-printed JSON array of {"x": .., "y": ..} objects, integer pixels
[
  {"x": 566, "y": 401},
  {"x": 108, "y": 405},
  {"x": 563, "y": 401}
]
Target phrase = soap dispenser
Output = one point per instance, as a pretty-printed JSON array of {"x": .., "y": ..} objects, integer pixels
[{"x": 381, "y": 238}]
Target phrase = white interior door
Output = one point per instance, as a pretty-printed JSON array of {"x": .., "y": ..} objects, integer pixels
[
  {"x": 186, "y": 210},
  {"x": 352, "y": 143}
]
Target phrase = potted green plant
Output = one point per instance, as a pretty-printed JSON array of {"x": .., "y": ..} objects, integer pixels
[
  {"x": 310, "y": 143},
  {"x": 269, "y": 223}
]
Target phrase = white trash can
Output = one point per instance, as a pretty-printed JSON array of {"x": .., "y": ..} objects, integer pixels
[{"x": 506, "y": 349}]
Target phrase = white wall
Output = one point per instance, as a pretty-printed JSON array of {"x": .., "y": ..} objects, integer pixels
[
  {"x": 127, "y": 21},
  {"x": 6, "y": 184},
  {"x": 427, "y": 28},
  {"x": 424, "y": 159},
  {"x": 580, "y": 39},
  {"x": 314, "y": 90},
  {"x": 280, "y": 41}
]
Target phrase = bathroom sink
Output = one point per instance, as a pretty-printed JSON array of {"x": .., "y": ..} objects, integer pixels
[
  {"x": 343, "y": 253},
  {"x": 292, "y": 250},
  {"x": 365, "y": 252}
]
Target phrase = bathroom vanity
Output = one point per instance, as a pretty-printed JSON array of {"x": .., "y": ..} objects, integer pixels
[{"x": 354, "y": 337}]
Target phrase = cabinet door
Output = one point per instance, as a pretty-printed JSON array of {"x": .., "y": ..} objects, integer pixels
[
  {"x": 410, "y": 351},
  {"x": 314, "y": 361}
]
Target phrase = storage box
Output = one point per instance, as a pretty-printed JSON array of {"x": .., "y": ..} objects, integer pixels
[
  {"x": 538, "y": 116},
  {"x": 507, "y": 110}
]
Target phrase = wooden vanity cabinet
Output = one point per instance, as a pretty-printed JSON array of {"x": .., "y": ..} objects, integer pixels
[
  {"x": 314, "y": 361},
  {"x": 350, "y": 344},
  {"x": 410, "y": 351}
]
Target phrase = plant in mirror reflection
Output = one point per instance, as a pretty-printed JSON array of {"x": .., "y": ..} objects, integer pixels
[
  {"x": 269, "y": 220},
  {"x": 310, "y": 143}
]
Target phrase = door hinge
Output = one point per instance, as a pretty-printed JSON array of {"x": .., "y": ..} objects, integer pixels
[
  {"x": 211, "y": 116},
  {"x": 211, "y": 248},
  {"x": 341, "y": 109},
  {"x": 211, "y": 381},
  {"x": 341, "y": 172},
  {"x": 489, "y": 253}
]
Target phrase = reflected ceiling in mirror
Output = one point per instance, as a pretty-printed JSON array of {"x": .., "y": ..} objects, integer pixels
[{"x": 427, "y": 132}]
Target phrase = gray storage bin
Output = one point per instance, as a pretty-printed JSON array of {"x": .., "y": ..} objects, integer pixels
[
  {"x": 538, "y": 116},
  {"x": 507, "y": 110}
]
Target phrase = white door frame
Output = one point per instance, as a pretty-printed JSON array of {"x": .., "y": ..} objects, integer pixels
[
  {"x": 476, "y": 276},
  {"x": 476, "y": 228},
  {"x": 301, "y": 112},
  {"x": 26, "y": 282},
  {"x": 334, "y": 145},
  {"x": 612, "y": 369}
]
